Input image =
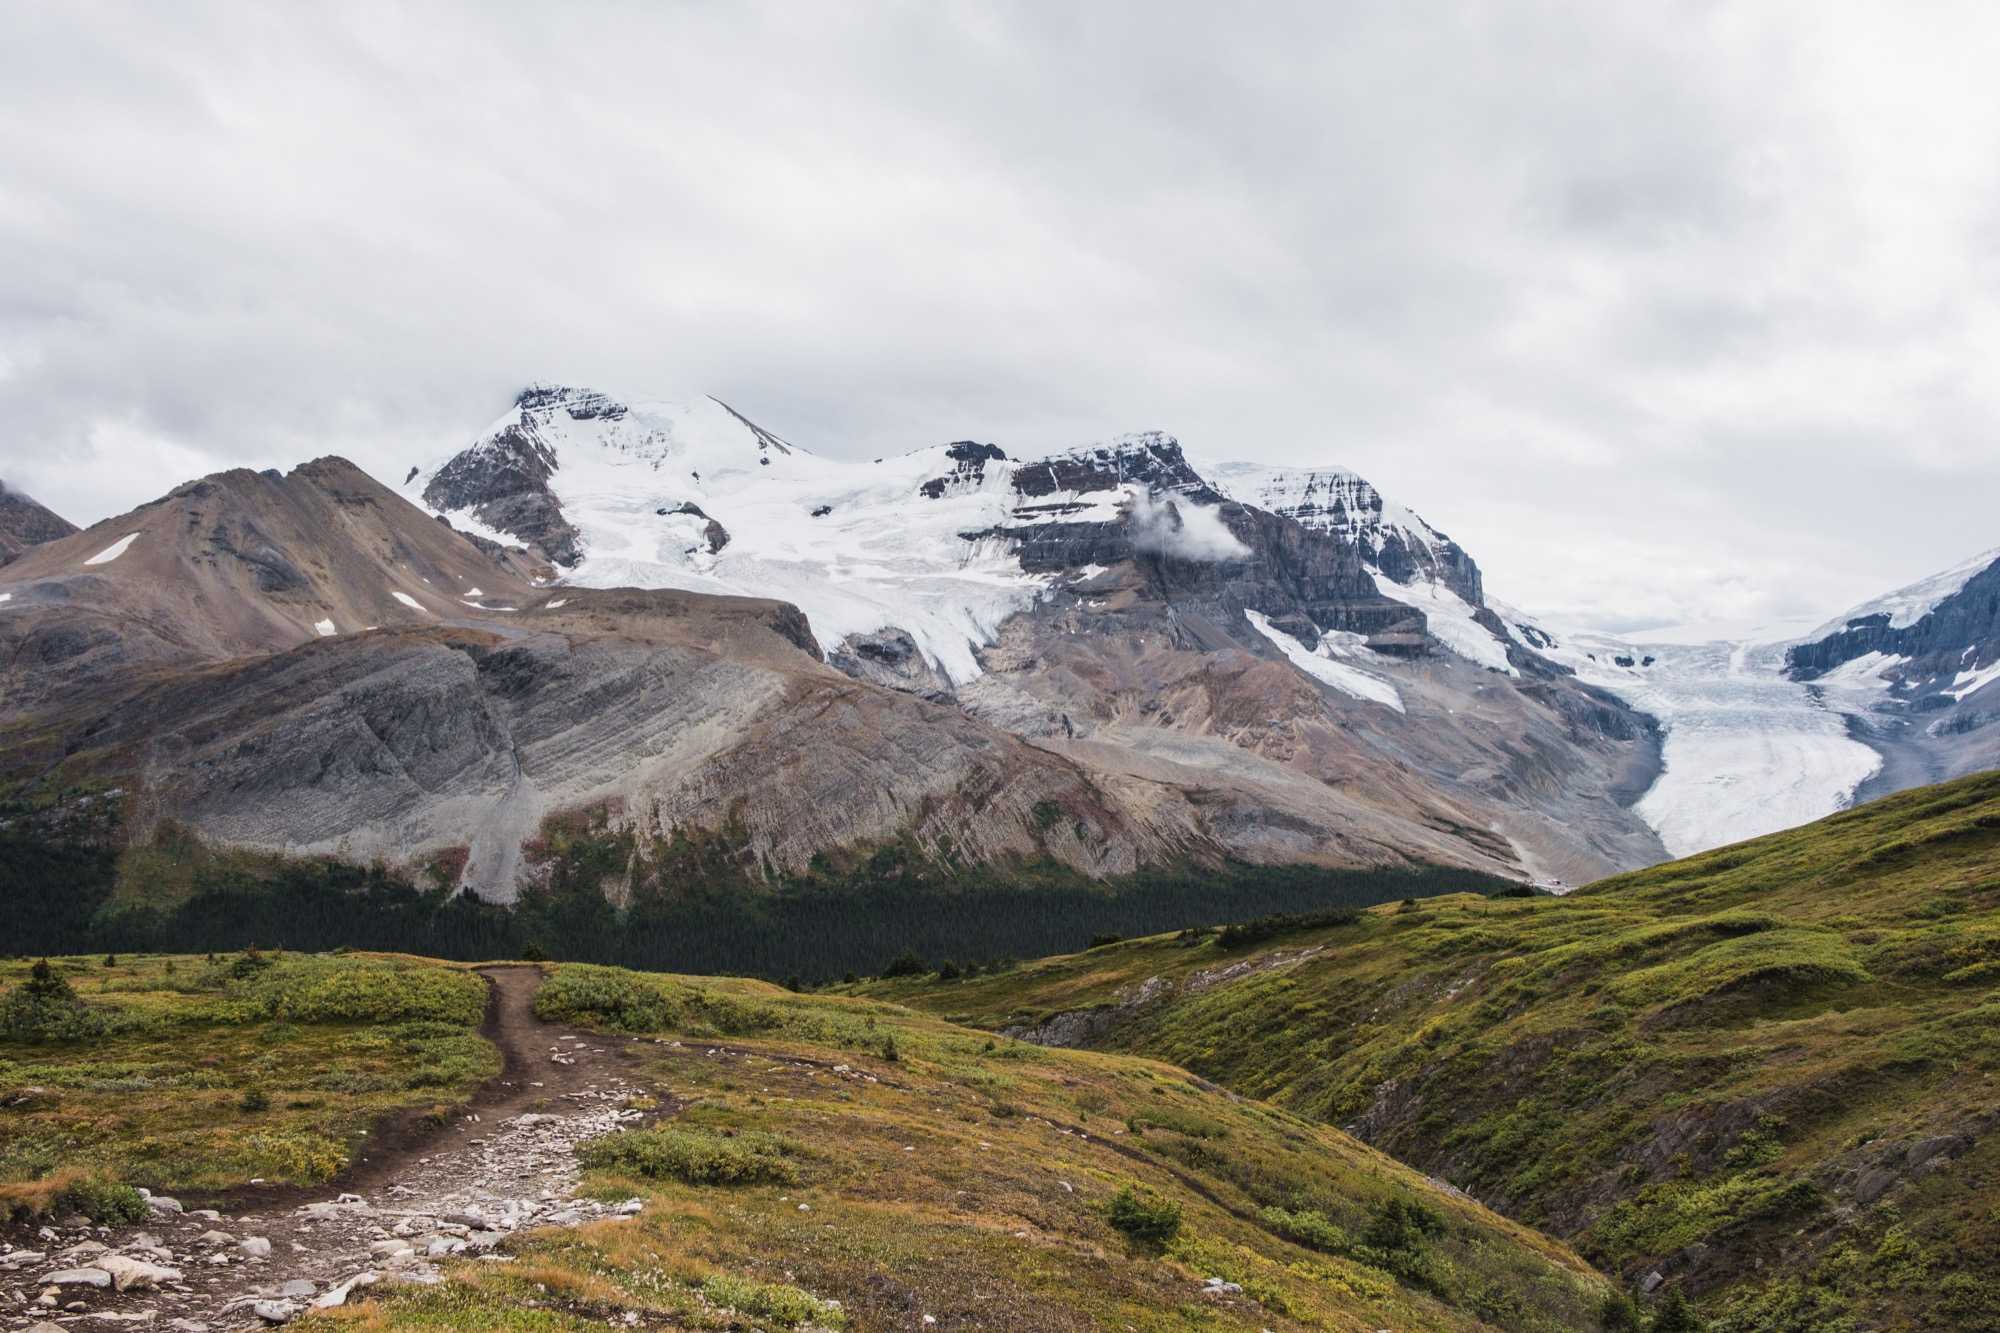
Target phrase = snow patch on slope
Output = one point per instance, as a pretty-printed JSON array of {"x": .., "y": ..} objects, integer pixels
[
  {"x": 1450, "y": 620},
  {"x": 408, "y": 600},
  {"x": 113, "y": 551},
  {"x": 1970, "y": 682},
  {"x": 1349, "y": 680},
  {"x": 325, "y": 628}
]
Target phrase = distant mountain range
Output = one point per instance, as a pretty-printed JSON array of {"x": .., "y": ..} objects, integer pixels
[{"x": 674, "y": 625}]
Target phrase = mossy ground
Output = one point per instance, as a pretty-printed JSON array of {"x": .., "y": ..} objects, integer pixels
[
  {"x": 209, "y": 1075},
  {"x": 1709, "y": 1067},
  {"x": 902, "y": 1166}
]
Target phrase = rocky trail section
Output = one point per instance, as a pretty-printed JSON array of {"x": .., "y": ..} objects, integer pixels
[{"x": 507, "y": 1164}]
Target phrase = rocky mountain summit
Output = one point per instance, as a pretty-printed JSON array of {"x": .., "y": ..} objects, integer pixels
[{"x": 25, "y": 523}]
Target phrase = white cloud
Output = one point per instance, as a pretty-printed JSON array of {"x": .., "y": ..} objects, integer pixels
[{"x": 1176, "y": 527}]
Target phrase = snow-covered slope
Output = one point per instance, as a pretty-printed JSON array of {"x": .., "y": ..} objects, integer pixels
[
  {"x": 693, "y": 496},
  {"x": 1906, "y": 606}
]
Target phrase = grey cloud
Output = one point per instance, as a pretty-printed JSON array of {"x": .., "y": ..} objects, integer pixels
[{"x": 1665, "y": 312}]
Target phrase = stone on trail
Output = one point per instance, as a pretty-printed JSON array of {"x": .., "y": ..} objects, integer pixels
[
  {"x": 160, "y": 1203},
  {"x": 128, "y": 1274},
  {"x": 79, "y": 1277},
  {"x": 276, "y": 1312},
  {"x": 337, "y": 1294},
  {"x": 297, "y": 1289},
  {"x": 257, "y": 1247}
]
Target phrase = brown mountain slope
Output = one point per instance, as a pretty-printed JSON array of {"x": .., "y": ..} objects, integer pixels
[{"x": 307, "y": 663}]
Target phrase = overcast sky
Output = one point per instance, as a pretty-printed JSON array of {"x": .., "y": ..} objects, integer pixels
[{"x": 1667, "y": 312}]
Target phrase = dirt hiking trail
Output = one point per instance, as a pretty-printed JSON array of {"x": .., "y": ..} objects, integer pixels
[{"x": 418, "y": 1195}]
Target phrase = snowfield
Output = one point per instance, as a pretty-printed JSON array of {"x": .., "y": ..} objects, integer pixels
[{"x": 856, "y": 546}]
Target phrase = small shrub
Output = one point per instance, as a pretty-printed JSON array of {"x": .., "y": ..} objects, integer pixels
[
  {"x": 1403, "y": 1224},
  {"x": 1619, "y": 1314},
  {"x": 253, "y": 1101},
  {"x": 781, "y": 1304},
  {"x": 1675, "y": 1315},
  {"x": 1146, "y": 1218},
  {"x": 1308, "y": 1227},
  {"x": 44, "y": 1009},
  {"x": 904, "y": 964},
  {"x": 248, "y": 964},
  {"x": 948, "y": 971},
  {"x": 1099, "y": 941},
  {"x": 694, "y": 1156}
]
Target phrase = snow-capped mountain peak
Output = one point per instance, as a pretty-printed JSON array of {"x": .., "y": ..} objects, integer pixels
[
  {"x": 1394, "y": 540},
  {"x": 941, "y": 544}
]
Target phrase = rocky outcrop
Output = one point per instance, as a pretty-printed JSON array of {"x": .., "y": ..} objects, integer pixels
[
  {"x": 504, "y": 483},
  {"x": 890, "y": 658},
  {"x": 24, "y": 523}
]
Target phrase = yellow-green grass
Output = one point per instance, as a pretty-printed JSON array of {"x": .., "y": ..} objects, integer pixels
[
  {"x": 1711, "y": 1052},
  {"x": 824, "y": 1149},
  {"x": 207, "y": 1075}
]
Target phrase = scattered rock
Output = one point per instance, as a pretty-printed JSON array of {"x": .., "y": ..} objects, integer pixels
[
  {"x": 79, "y": 1277},
  {"x": 257, "y": 1247},
  {"x": 276, "y": 1312},
  {"x": 128, "y": 1274}
]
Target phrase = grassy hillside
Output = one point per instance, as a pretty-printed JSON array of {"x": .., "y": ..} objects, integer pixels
[
  {"x": 198, "y": 1074},
  {"x": 815, "y": 1161},
  {"x": 1767, "y": 1073}
]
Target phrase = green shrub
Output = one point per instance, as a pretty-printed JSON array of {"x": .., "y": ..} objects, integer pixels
[
  {"x": 105, "y": 1202},
  {"x": 694, "y": 1156},
  {"x": 1403, "y": 1224},
  {"x": 1308, "y": 1227},
  {"x": 44, "y": 1009},
  {"x": 254, "y": 1100},
  {"x": 1145, "y": 1217},
  {"x": 786, "y": 1305}
]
